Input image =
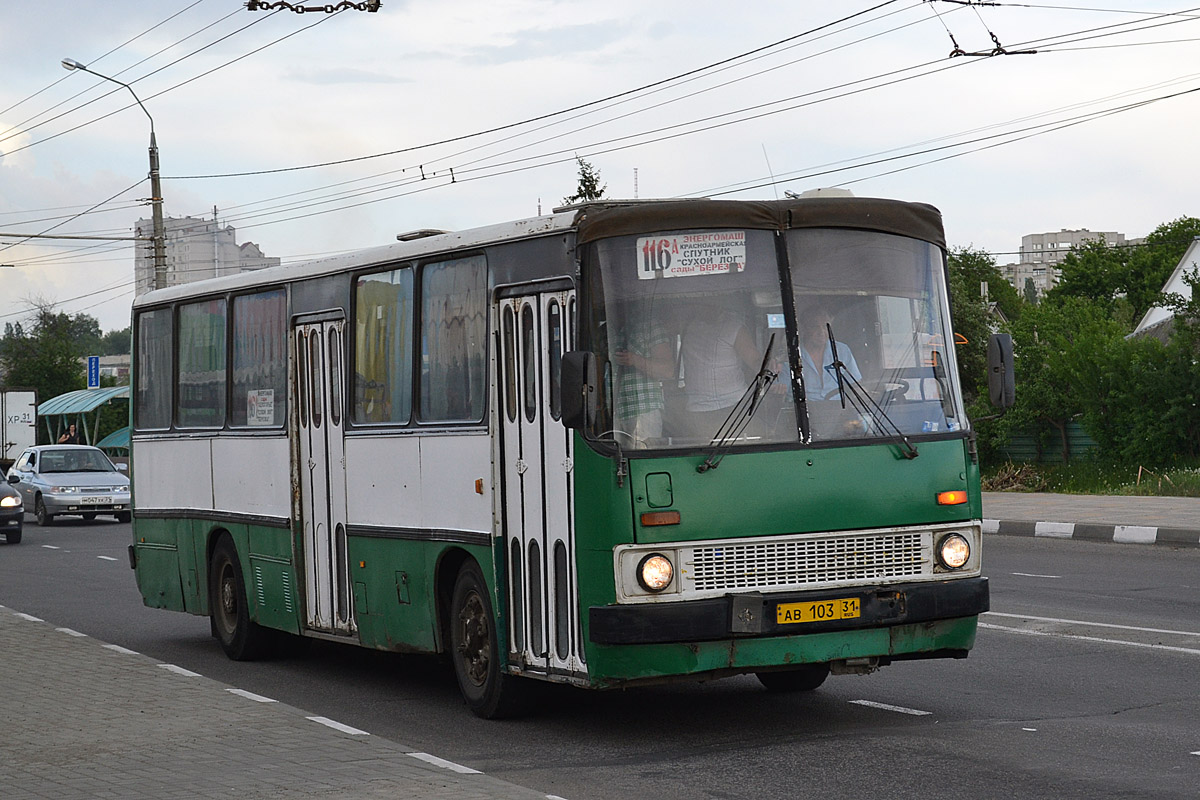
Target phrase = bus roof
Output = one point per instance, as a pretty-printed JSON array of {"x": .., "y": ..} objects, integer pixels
[{"x": 604, "y": 218}]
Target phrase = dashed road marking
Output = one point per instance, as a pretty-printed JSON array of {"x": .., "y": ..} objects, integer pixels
[
  {"x": 70, "y": 632},
  {"x": 1033, "y": 575},
  {"x": 27, "y": 617},
  {"x": 1092, "y": 624},
  {"x": 337, "y": 726},
  {"x": 187, "y": 673},
  {"x": 258, "y": 698},
  {"x": 886, "y": 707},
  {"x": 1097, "y": 639},
  {"x": 51, "y": 547},
  {"x": 444, "y": 764},
  {"x": 106, "y": 558},
  {"x": 122, "y": 650}
]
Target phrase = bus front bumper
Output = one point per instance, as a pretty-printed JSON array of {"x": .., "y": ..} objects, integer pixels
[{"x": 754, "y": 614}]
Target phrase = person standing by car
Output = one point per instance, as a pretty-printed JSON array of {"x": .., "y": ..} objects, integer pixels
[{"x": 70, "y": 437}]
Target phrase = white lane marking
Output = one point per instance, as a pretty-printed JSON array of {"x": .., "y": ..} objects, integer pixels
[
  {"x": 885, "y": 707},
  {"x": 1197, "y": 753},
  {"x": 1035, "y": 575},
  {"x": 1055, "y": 530},
  {"x": 337, "y": 726},
  {"x": 554, "y": 797},
  {"x": 187, "y": 673},
  {"x": 258, "y": 698},
  {"x": 106, "y": 558},
  {"x": 27, "y": 617},
  {"x": 1134, "y": 534},
  {"x": 444, "y": 764},
  {"x": 1093, "y": 624},
  {"x": 70, "y": 632},
  {"x": 1031, "y": 730},
  {"x": 991, "y": 526},
  {"x": 1097, "y": 639},
  {"x": 116, "y": 648},
  {"x": 51, "y": 547}
]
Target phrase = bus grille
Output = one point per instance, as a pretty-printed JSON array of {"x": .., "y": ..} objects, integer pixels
[{"x": 806, "y": 561}]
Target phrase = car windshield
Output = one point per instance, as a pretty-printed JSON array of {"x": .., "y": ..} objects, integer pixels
[
  {"x": 74, "y": 461},
  {"x": 856, "y": 322}
]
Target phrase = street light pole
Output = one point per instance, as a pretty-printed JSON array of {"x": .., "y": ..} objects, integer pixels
[{"x": 160, "y": 236}]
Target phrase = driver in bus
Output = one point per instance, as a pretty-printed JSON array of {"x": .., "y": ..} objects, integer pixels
[{"x": 643, "y": 359}]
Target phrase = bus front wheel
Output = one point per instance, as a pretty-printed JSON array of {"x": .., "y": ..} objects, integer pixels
[
  {"x": 802, "y": 679},
  {"x": 490, "y": 692},
  {"x": 241, "y": 638}
]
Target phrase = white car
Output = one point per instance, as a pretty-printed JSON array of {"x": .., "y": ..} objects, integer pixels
[{"x": 78, "y": 479}]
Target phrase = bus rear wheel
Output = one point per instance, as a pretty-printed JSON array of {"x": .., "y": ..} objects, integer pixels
[
  {"x": 241, "y": 638},
  {"x": 804, "y": 678},
  {"x": 490, "y": 692}
]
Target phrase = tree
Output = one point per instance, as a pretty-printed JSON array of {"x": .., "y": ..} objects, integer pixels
[
  {"x": 1030, "y": 292},
  {"x": 589, "y": 184},
  {"x": 1127, "y": 280},
  {"x": 46, "y": 355},
  {"x": 968, "y": 269},
  {"x": 116, "y": 343}
]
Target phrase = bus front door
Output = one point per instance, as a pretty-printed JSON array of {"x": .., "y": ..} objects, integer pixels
[
  {"x": 322, "y": 468},
  {"x": 537, "y": 465}
]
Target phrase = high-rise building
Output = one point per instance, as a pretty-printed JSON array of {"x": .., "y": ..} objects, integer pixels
[
  {"x": 1041, "y": 255},
  {"x": 195, "y": 249}
]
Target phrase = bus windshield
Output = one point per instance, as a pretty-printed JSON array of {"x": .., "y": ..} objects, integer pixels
[{"x": 823, "y": 335}]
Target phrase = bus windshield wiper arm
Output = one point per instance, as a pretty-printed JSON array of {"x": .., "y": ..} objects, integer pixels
[
  {"x": 862, "y": 401},
  {"x": 741, "y": 414}
]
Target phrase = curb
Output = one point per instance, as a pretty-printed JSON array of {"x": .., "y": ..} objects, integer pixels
[{"x": 1095, "y": 532}]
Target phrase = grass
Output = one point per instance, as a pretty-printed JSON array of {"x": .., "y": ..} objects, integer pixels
[{"x": 1092, "y": 477}]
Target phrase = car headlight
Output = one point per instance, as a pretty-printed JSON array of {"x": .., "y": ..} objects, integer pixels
[
  {"x": 9, "y": 502},
  {"x": 64, "y": 490},
  {"x": 655, "y": 572},
  {"x": 954, "y": 551}
]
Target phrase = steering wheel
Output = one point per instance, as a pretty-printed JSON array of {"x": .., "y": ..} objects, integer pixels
[{"x": 894, "y": 390}]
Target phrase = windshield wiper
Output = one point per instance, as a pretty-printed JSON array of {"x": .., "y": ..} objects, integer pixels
[
  {"x": 862, "y": 401},
  {"x": 741, "y": 414}
]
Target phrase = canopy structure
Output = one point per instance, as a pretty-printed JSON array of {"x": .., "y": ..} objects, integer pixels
[
  {"x": 75, "y": 406},
  {"x": 117, "y": 440}
]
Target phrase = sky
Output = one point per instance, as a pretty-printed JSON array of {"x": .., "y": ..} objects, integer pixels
[{"x": 335, "y": 132}]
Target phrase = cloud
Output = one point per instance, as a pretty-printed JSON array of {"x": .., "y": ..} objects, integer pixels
[
  {"x": 344, "y": 75},
  {"x": 565, "y": 41}
]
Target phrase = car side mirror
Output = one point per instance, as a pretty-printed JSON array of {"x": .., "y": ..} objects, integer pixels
[
  {"x": 578, "y": 389},
  {"x": 122, "y": 467},
  {"x": 14, "y": 478},
  {"x": 1002, "y": 389}
]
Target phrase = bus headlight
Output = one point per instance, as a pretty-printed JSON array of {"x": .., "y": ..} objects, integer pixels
[
  {"x": 655, "y": 572},
  {"x": 954, "y": 551}
]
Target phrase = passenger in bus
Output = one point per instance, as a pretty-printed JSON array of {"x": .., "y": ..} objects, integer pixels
[
  {"x": 718, "y": 356},
  {"x": 643, "y": 359}
]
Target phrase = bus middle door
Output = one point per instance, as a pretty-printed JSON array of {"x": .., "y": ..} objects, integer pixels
[
  {"x": 537, "y": 466},
  {"x": 321, "y": 428}
]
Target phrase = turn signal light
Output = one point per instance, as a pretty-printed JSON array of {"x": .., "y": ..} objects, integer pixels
[
  {"x": 660, "y": 518},
  {"x": 955, "y": 498}
]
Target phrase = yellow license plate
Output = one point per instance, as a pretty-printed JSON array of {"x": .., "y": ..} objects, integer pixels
[{"x": 820, "y": 611}]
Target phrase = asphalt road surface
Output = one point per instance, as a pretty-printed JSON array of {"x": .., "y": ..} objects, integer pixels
[{"x": 1085, "y": 683}]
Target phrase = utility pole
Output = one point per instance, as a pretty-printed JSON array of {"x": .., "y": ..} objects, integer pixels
[{"x": 160, "y": 235}]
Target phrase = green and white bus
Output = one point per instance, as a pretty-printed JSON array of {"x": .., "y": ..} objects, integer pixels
[{"x": 594, "y": 448}]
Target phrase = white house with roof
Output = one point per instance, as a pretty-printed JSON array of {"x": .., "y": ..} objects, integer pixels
[{"x": 1156, "y": 321}]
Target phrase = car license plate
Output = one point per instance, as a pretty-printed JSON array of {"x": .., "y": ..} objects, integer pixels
[
  {"x": 819, "y": 611},
  {"x": 95, "y": 500}
]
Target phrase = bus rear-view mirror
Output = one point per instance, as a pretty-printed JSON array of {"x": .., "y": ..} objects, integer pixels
[
  {"x": 1002, "y": 390},
  {"x": 578, "y": 389}
]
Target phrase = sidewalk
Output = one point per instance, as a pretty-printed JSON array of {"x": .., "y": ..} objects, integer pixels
[
  {"x": 84, "y": 719},
  {"x": 1170, "y": 521}
]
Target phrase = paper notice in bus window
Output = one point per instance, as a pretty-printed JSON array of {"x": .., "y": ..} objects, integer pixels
[
  {"x": 260, "y": 407},
  {"x": 685, "y": 255}
]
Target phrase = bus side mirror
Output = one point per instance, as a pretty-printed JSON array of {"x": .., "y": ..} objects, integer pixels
[
  {"x": 578, "y": 389},
  {"x": 1002, "y": 387}
]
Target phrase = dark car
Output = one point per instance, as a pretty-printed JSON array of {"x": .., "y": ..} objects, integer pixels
[
  {"x": 70, "y": 479},
  {"x": 12, "y": 513}
]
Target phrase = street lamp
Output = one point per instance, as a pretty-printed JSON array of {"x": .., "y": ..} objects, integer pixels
[{"x": 160, "y": 238}]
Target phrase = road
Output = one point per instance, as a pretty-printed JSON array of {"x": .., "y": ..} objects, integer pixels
[{"x": 1083, "y": 684}]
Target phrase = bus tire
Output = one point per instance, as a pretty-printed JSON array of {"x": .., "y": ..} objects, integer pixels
[
  {"x": 241, "y": 638},
  {"x": 802, "y": 679},
  {"x": 490, "y": 692}
]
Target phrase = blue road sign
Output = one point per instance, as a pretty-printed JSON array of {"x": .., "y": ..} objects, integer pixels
[{"x": 93, "y": 372}]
